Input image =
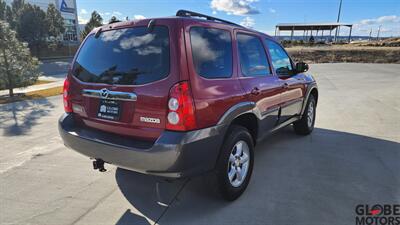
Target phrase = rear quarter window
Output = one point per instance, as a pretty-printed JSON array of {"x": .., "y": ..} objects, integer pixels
[
  {"x": 130, "y": 56},
  {"x": 212, "y": 52}
]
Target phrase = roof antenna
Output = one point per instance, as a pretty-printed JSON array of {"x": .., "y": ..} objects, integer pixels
[
  {"x": 98, "y": 32},
  {"x": 150, "y": 25}
]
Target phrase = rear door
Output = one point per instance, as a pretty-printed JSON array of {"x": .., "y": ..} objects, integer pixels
[
  {"x": 121, "y": 79},
  {"x": 213, "y": 76},
  {"x": 261, "y": 86},
  {"x": 292, "y": 86}
]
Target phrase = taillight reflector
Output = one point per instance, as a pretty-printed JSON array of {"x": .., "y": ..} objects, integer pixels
[
  {"x": 181, "y": 111},
  {"x": 66, "y": 96}
]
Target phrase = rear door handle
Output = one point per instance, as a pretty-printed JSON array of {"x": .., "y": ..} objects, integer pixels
[{"x": 255, "y": 91}]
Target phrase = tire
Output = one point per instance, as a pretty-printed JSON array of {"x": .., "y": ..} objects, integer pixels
[
  {"x": 232, "y": 165},
  {"x": 305, "y": 125}
]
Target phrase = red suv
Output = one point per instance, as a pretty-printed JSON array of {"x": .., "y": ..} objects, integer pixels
[{"x": 180, "y": 96}]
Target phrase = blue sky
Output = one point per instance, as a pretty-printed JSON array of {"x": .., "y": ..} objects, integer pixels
[{"x": 262, "y": 15}]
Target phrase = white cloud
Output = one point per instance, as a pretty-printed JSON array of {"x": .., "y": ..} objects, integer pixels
[
  {"x": 105, "y": 13},
  {"x": 148, "y": 50},
  {"x": 381, "y": 20},
  {"x": 135, "y": 42},
  {"x": 387, "y": 30},
  {"x": 389, "y": 19},
  {"x": 108, "y": 15},
  {"x": 83, "y": 11},
  {"x": 214, "y": 12},
  {"x": 202, "y": 47},
  {"x": 82, "y": 16},
  {"x": 236, "y": 7},
  {"x": 112, "y": 35},
  {"x": 248, "y": 22},
  {"x": 139, "y": 17},
  {"x": 390, "y": 25},
  {"x": 271, "y": 10},
  {"x": 82, "y": 20}
]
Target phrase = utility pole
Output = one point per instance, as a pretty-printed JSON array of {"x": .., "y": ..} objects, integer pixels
[
  {"x": 379, "y": 32},
  {"x": 338, "y": 20},
  {"x": 370, "y": 35}
]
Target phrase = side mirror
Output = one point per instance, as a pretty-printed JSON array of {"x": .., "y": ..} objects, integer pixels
[{"x": 301, "y": 67}]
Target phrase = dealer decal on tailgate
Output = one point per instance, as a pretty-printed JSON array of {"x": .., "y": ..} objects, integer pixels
[{"x": 109, "y": 109}]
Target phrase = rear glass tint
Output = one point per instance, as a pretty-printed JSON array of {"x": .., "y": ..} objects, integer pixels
[
  {"x": 130, "y": 56},
  {"x": 212, "y": 52}
]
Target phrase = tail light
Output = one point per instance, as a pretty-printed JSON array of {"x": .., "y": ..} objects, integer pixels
[
  {"x": 66, "y": 96},
  {"x": 181, "y": 112}
]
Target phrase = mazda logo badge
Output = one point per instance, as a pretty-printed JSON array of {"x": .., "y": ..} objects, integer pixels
[{"x": 104, "y": 93}]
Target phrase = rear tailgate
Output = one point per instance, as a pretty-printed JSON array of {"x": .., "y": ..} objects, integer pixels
[{"x": 120, "y": 80}]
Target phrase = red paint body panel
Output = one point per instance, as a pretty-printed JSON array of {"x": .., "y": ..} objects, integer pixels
[
  {"x": 212, "y": 97},
  {"x": 152, "y": 97}
]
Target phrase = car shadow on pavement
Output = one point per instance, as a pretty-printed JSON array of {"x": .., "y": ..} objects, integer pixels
[
  {"x": 19, "y": 117},
  {"x": 315, "y": 179}
]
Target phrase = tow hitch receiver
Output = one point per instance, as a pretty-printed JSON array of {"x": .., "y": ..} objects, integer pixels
[{"x": 99, "y": 164}]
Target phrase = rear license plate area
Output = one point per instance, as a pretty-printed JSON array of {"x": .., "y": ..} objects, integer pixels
[{"x": 109, "y": 109}]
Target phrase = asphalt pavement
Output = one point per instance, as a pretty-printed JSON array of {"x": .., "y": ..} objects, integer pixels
[{"x": 351, "y": 158}]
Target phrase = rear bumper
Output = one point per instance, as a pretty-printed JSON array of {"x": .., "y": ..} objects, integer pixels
[{"x": 173, "y": 154}]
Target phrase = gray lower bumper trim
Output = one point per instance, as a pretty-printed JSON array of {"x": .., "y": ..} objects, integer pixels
[{"x": 173, "y": 154}]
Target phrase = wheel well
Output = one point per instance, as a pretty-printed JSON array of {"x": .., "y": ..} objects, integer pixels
[
  {"x": 314, "y": 92},
  {"x": 248, "y": 121}
]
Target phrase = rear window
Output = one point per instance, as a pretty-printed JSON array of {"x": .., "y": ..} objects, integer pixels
[
  {"x": 212, "y": 52},
  {"x": 128, "y": 56}
]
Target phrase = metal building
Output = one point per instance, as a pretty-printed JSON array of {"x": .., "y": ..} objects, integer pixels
[{"x": 315, "y": 30}]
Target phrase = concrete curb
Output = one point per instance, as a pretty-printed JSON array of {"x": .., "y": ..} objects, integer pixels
[{"x": 34, "y": 88}]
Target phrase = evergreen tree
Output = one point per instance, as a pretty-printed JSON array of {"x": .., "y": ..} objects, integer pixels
[
  {"x": 17, "y": 67},
  {"x": 9, "y": 15},
  {"x": 55, "y": 21},
  {"x": 17, "y": 5},
  {"x": 3, "y": 7},
  {"x": 32, "y": 26},
  {"x": 95, "y": 21},
  {"x": 16, "y": 10}
]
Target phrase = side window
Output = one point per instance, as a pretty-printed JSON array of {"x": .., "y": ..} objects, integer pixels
[
  {"x": 212, "y": 52},
  {"x": 253, "y": 60},
  {"x": 280, "y": 59}
]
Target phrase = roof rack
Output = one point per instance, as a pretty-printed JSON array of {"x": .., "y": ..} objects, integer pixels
[{"x": 187, "y": 13}]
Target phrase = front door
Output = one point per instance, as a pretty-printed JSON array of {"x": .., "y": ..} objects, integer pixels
[
  {"x": 292, "y": 87},
  {"x": 256, "y": 78}
]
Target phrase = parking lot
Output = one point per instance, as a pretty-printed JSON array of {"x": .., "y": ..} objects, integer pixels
[{"x": 351, "y": 158}]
